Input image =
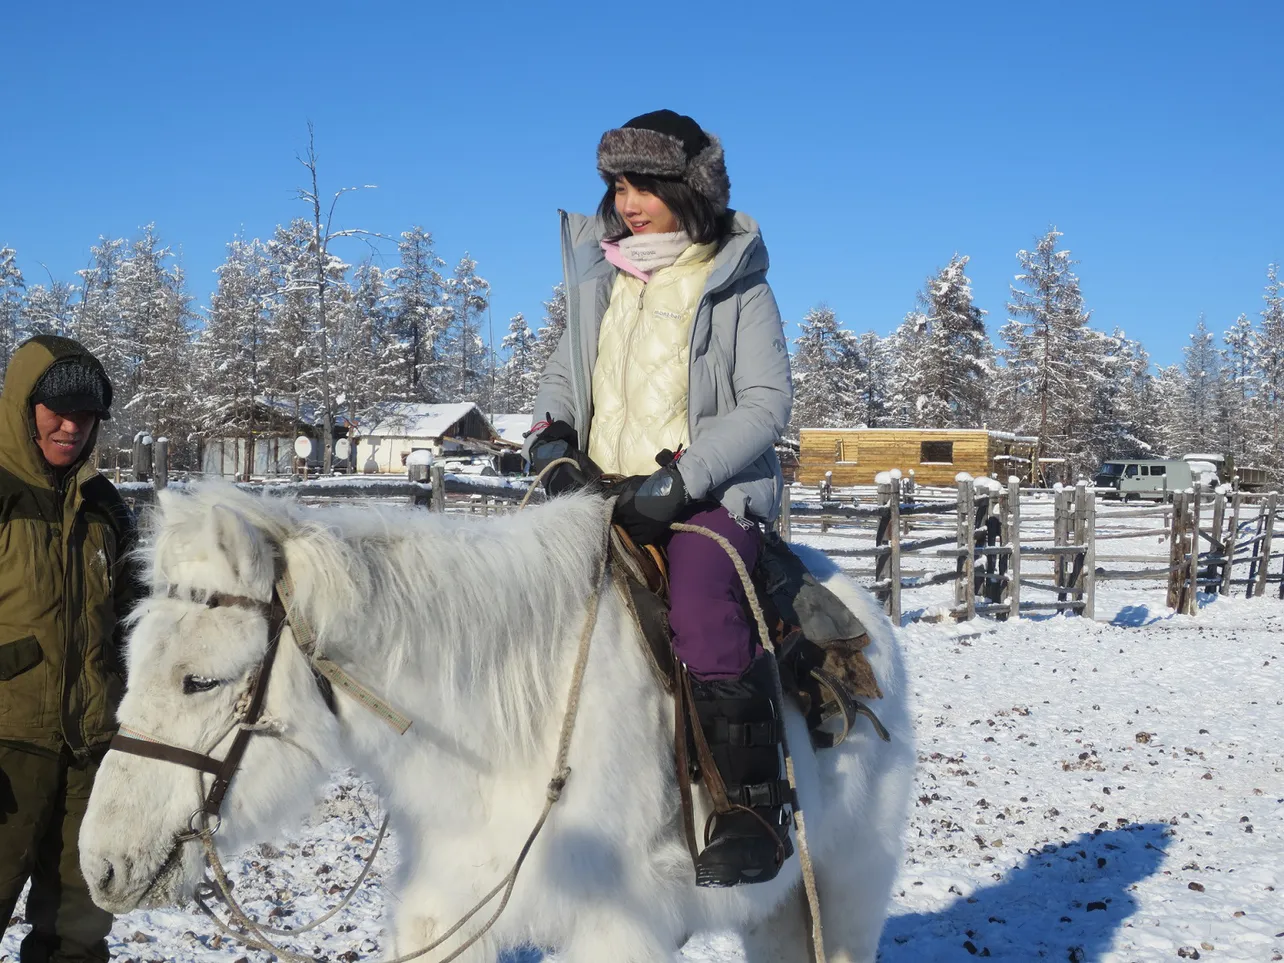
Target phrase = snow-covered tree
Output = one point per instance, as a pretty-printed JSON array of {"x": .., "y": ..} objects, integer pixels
[
  {"x": 49, "y": 309},
  {"x": 98, "y": 323},
  {"x": 11, "y": 290},
  {"x": 156, "y": 320},
  {"x": 420, "y": 315},
  {"x": 1055, "y": 363},
  {"x": 386, "y": 377},
  {"x": 233, "y": 347},
  {"x": 1201, "y": 367},
  {"x": 550, "y": 332},
  {"x": 947, "y": 374},
  {"x": 464, "y": 363},
  {"x": 1239, "y": 364},
  {"x": 828, "y": 388},
  {"x": 517, "y": 380},
  {"x": 1270, "y": 354}
]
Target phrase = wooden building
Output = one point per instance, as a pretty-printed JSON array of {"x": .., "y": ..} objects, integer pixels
[
  {"x": 386, "y": 443},
  {"x": 857, "y": 455}
]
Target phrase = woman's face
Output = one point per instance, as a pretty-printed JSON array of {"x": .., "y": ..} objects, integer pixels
[{"x": 642, "y": 211}]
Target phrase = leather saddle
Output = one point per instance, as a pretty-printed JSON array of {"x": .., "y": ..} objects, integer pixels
[{"x": 819, "y": 643}]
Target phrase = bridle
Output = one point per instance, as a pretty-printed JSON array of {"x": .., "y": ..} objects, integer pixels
[{"x": 223, "y": 770}]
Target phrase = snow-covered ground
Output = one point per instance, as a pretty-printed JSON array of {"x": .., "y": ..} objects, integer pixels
[{"x": 1093, "y": 791}]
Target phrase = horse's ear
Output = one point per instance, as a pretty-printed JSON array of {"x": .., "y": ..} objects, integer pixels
[{"x": 246, "y": 548}]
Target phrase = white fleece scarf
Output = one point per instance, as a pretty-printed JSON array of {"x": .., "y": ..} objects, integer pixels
[{"x": 649, "y": 252}]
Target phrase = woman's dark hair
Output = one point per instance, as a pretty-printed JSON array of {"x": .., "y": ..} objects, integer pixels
[{"x": 695, "y": 212}]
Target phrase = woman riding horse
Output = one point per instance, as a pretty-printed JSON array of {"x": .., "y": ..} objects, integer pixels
[{"x": 674, "y": 354}]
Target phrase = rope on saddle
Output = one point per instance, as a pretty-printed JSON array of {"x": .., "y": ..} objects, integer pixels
[
  {"x": 804, "y": 851},
  {"x": 255, "y": 935}
]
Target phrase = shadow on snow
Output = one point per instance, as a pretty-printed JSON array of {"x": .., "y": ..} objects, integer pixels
[{"x": 1063, "y": 902}]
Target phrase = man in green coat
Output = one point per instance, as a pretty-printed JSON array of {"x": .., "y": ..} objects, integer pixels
[{"x": 65, "y": 584}]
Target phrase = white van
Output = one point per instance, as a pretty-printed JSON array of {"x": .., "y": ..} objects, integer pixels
[{"x": 1155, "y": 478}]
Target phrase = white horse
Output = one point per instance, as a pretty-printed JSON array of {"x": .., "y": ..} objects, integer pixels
[{"x": 471, "y": 628}]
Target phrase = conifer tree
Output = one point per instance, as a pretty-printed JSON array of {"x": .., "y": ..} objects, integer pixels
[
  {"x": 517, "y": 380},
  {"x": 11, "y": 292},
  {"x": 947, "y": 376},
  {"x": 827, "y": 391},
  {"x": 420, "y": 315},
  {"x": 464, "y": 363}
]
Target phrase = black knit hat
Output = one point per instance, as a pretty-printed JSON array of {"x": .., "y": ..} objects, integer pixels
[
  {"x": 73, "y": 384},
  {"x": 670, "y": 145}
]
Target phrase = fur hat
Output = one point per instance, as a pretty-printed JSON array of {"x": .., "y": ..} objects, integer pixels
[
  {"x": 73, "y": 385},
  {"x": 670, "y": 145}
]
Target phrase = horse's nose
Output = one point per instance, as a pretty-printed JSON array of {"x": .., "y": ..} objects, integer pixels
[{"x": 101, "y": 874}]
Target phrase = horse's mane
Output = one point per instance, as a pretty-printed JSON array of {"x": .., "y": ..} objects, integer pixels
[{"x": 432, "y": 606}]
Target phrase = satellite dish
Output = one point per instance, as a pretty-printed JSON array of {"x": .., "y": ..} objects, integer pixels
[
  {"x": 342, "y": 449},
  {"x": 303, "y": 446}
]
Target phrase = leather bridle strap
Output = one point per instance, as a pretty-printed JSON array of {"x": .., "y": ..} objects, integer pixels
[
  {"x": 232, "y": 761},
  {"x": 166, "y": 753}
]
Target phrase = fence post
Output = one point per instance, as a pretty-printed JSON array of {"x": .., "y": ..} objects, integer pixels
[
  {"x": 438, "y": 475},
  {"x": 1196, "y": 504},
  {"x": 1089, "y": 609},
  {"x": 1228, "y": 547},
  {"x": 894, "y": 536},
  {"x": 1219, "y": 523},
  {"x": 1082, "y": 536},
  {"x": 882, "y": 537},
  {"x": 783, "y": 523},
  {"x": 965, "y": 572},
  {"x": 1176, "y": 552},
  {"x": 160, "y": 475},
  {"x": 1014, "y": 535},
  {"x": 1060, "y": 538},
  {"x": 1265, "y": 545}
]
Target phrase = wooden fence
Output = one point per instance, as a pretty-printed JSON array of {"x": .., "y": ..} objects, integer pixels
[
  {"x": 1018, "y": 551},
  {"x": 1007, "y": 551}
]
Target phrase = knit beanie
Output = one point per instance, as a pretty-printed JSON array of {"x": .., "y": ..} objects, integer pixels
[
  {"x": 669, "y": 145},
  {"x": 73, "y": 384}
]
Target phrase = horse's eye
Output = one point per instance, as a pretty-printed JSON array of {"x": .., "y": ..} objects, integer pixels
[{"x": 198, "y": 683}]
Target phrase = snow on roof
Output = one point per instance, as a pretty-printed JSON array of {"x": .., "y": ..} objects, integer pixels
[
  {"x": 510, "y": 427},
  {"x": 407, "y": 420}
]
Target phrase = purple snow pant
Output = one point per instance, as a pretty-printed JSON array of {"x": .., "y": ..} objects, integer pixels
[{"x": 707, "y": 606}]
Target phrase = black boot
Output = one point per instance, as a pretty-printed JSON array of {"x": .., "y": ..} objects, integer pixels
[{"x": 743, "y": 725}]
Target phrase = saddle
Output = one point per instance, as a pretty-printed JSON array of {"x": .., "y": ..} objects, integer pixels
[{"x": 819, "y": 643}]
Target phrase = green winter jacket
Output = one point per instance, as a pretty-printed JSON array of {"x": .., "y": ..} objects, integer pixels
[{"x": 65, "y": 581}]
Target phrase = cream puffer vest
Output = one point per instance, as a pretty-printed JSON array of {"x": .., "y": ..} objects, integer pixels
[{"x": 640, "y": 381}]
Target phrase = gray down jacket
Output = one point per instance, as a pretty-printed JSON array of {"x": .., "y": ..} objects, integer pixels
[{"x": 740, "y": 390}]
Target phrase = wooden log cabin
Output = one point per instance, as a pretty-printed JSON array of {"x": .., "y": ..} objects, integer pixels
[{"x": 857, "y": 455}]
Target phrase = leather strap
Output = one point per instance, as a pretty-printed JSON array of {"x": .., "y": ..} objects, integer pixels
[
  {"x": 166, "y": 753},
  {"x": 713, "y": 780},
  {"x": 682, "y": 757}
]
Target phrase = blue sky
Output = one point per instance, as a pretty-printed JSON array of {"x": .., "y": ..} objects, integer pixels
[{"x": 870, "y": 141}]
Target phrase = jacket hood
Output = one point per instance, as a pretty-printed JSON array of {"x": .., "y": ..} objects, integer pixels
[
  {"x": 740, "y": 254},
  {"x": 18, "y": 451}
]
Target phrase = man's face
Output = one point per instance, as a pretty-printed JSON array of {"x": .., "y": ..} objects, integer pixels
[{"x": 61, "y": 437}]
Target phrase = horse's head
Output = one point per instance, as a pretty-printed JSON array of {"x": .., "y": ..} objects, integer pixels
[{"x": 195, "y": 651}]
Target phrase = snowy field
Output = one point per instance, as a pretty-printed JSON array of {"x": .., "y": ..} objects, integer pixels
[{"x": 1098, "y": 792}]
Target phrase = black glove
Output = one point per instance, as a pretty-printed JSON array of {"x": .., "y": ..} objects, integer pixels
[
  {"x": 554, "y": 440},
  {"x": 648, "y": 503}
]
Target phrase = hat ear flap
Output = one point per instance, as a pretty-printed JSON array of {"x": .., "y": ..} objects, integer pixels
[{"x": 707, "y": 174}]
